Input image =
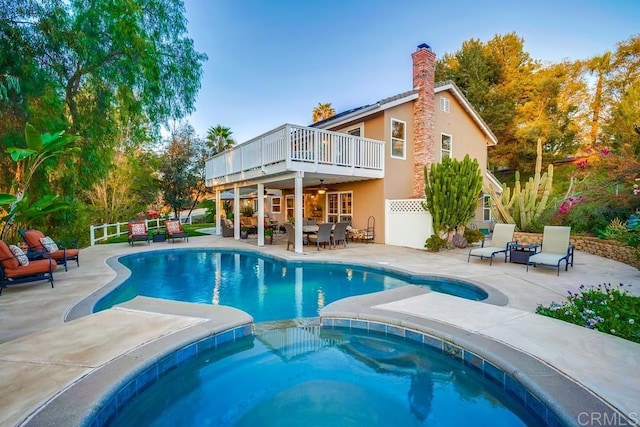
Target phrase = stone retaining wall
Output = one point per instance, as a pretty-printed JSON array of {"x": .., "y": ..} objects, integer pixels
[{"x": 604, "y": 248}]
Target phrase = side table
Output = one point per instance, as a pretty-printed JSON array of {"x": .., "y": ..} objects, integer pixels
[{"x": 520, "y": 254}]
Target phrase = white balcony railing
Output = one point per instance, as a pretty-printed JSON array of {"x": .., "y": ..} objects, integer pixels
[{"x": 298, "y": 148}]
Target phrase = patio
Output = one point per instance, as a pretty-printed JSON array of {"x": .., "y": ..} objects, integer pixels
[{"x": 601, "y": 362}]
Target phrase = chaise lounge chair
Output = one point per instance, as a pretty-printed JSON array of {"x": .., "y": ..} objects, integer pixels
[
  {"x": 500, "y": 240},
  {"x": 41, "y": 246},
  {"x": 175, "y": 231},
  {"x": 16, "y": 268},
  {"x": 138, "y": 232},
  {"x": 554, "y": 249}
]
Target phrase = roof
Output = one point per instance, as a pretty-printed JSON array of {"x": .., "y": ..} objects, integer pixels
[{"x": 401, "y": 98}]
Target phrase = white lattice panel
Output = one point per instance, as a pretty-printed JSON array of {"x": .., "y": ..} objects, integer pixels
[{"x": 406, "y": 206}]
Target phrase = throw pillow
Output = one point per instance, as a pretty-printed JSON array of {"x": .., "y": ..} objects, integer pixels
[
  {"x": 20, "y": 256},
  {"x": 173, "y": 227},
  {"x": 138, "y": 228},
  {"x": 49, "y": 245}
]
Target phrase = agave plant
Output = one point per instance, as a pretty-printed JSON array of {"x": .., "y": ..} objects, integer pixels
[{"x": 39, "y": 148}]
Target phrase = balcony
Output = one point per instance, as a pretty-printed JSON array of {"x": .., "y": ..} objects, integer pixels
[{"x": 292, "y": 148}]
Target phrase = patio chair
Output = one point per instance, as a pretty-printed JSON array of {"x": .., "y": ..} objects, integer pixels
[
  {"x": 340, "y": 233},
  {"x": 291, "y": 235},
  {"x": 227, "y": 227},
  {"x": 554, "y": 249},
  {"x": 41, "y": 246},
  {"x": 138, "y": 232},
  {"x": 175, "y": 231},
  {"x": 323, "y": 236},
  {"x": 17, "y": 268},
  {"x": 500, "y": 241}
]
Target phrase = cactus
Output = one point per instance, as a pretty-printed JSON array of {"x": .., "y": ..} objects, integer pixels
[
  {"x": 452, "y": 189},
  {"x": 523, "y": 205}
]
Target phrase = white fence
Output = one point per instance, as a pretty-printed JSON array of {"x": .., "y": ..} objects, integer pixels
[
  {"x": 407, "y": 223},
  {"x": 98, "y": 233}
]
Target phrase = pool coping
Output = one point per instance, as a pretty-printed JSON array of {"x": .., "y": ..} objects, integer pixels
[
  {"x": 86, "y": 305},
  {"x": 90, "y": 399}
]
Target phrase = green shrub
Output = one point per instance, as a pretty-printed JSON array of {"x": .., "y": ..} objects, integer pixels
[
  {"x": 435, "y": 243},
  {"x": 591, "y": 217},
  {"x": 473, "y": 235},
  {"x": 606, "y": 308}
]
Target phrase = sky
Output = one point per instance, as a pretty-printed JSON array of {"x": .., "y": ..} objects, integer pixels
[{"x": 270, "y": 62}]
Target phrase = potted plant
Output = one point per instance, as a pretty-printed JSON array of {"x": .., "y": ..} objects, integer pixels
[
  {"x": 269, "y": 233},
  {"x": 244, "y": 232}
]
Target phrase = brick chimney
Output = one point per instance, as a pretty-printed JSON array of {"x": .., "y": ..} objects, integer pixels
[{"x": 424, "y": 67}]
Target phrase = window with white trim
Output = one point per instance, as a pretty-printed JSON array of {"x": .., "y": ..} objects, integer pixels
[
  {"x": 445, "y": 104},
  {"x": 340, "y": 206},
  {"x": 446, "y": 146},
  {"x": 276, "y": 204},
  {"x": 398, "y": 139},
  {"x": 486, "y": 208}
]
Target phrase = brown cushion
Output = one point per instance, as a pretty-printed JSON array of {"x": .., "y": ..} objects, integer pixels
[
  {"x": 32, "y": 237},
  {"x": 59, "y": 255},
  {"x": 34, "y": 267},
  {"x": 8, "y": 259}
]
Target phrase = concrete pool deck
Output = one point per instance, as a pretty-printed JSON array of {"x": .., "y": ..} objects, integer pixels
[{"x": 33, "y": 317}]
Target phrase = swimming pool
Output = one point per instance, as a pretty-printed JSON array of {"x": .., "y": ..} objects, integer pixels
[
  {"x": 315, "y": 376},
  {"x": 265, "y": 288}
]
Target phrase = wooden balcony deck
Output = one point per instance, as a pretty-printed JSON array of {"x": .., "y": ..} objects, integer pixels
[{"x": 292, "y": 148}]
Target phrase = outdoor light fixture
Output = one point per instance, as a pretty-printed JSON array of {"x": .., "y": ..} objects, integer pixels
[{"x": 322, "y": 188}]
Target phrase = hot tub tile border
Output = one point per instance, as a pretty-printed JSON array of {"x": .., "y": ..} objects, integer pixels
[
  {"x": 483, "y": 366},
  {"x": 118, "y": 398}
]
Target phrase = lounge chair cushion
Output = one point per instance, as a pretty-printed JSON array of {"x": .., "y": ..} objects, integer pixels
[
  {"x": 20, "y": 256},
  {"x": 39, "y": 266},
  {"x": 32, "y": 237},
  {"x": 48, "y": 244},
  {"x": 546, "y": 258},
  {"x": 486, "y": 252}
]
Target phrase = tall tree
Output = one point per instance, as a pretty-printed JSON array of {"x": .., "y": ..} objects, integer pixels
[
  {"x": 219, "y": 139},
  {"x": 104, "y": 60},
  {"x": 600, "y": 66},
  {"x": 180, "y": 169},
  {"x": 322, "y": 112}
]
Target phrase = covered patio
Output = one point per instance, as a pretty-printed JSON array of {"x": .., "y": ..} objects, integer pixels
[{"x": 288, "y": 158}]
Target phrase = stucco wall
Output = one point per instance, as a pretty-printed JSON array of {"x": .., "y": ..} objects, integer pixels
[{"x": 604, "y": 248}]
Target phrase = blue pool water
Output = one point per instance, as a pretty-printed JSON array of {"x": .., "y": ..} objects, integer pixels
[
  {"x": 266, "y": 289},
  {"x": 320, "y": 377}
]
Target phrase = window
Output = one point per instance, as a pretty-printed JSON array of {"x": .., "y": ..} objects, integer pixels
[
  {"x": 486, "y": 208},
  {"x": 445, "y": 150},
  {"x": 339, "y": 206},
  {"x": 398, "y": 138},
  {"x": 355, "y": 131},
  {"x": 276, "y": 205},
  {"x": 444, "y": 104},
  {"x": 291, "y": 212}
]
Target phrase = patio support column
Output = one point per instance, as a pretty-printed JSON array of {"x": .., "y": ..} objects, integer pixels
[
  {"x": 260, "y": 214},
  {"x": 236, "y": 212},
  {"x": 298, "y": 211},
  {"x": 218, "y": 216}
]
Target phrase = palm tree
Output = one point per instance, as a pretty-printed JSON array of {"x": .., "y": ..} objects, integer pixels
[
  {"x": 219, "y": 139},
  {"x": 322, "y": 112}
]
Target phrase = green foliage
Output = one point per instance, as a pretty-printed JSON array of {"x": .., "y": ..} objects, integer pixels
[
  {"x": 179, "y": 170},
  {"x": 451, "y": 190},
  {"x": 436, "y": 243},
  {"x": 473, "y": 235},
  {"x": 40, "y": 148},
  {"x": 522, "y": 206},
  {"x": 605, "y": 308},
  {"x": 247, "y": 210},
  {"x": 590, "y": 217},
  {"x": 210, "y": 210},
  {"x": 219, "y": 139}
]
